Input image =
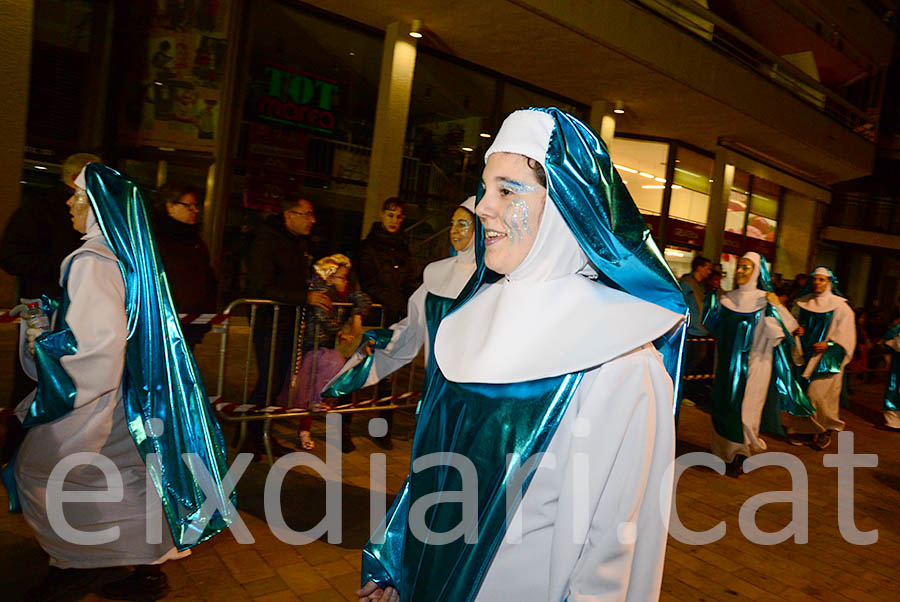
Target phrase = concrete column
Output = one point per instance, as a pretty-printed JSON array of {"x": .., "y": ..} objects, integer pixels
[
  {"x": 603, "y": 121},
  {"x": 795, "y": 236},
  {"x": 398, "y": 64},
  {"x": 719, "y": 191},
  {"x": 16, "y": 25}
]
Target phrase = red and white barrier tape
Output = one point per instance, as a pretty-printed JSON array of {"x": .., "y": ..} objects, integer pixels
[{"x": 211, "y": 319}]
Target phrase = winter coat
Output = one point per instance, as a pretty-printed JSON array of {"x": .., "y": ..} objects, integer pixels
[
  {"x": 278, "y": 267},
  {"x": 386, "y": 271},
  {"x": 186, "y": 261}
]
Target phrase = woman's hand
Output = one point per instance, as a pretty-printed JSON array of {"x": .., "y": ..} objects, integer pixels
[
  {"x": 370, "y": 592},
  {"x": 820, "y": 347},
  {"x": 799, "y": 332},
  {"x": 31, "y": 334},
  {"x": 773, "y": 299},
  {"x": 368, "y": 348}
]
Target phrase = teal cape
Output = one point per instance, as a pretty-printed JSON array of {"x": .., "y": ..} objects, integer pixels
[
  {"x": 892, "y": 394},
  {"x": 161, "y": 384},
  {"x": 816, "y": 327},
  {"x": 734, "y": 338}
]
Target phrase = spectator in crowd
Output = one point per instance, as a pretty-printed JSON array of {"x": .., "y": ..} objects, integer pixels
[
  {"x": 37, "y": 237},
  {"x": 695, "y": 294},
  {"x": 185, "y": 257},
  {"x": 321, "y": 357},
  {"x": 113, "y": 383},
  {"x": 695, "y": 352},
  {"x": 387, "y": 274},
  {"x": 859, "y": 365},
  {"x": 279, "y": 268},
  {"x": 828, "y": 338},
  {"x": 797, "y": 285}
]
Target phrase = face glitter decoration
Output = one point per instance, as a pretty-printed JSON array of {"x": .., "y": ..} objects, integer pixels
[
  {"x": 461, "y": 229},
  {"x": 515, "y": 217}
]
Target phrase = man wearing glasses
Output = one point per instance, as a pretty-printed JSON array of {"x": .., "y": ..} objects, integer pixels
[{"x": 278, "y": 267}]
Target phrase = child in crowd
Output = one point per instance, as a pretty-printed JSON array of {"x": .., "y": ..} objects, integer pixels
[{"x": 325, "y": 335}]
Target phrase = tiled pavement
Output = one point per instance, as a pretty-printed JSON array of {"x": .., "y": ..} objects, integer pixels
[{"x": 826, "y": 568}]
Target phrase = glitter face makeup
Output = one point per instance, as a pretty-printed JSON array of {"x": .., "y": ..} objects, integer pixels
[{"x": 515, "y": 217}]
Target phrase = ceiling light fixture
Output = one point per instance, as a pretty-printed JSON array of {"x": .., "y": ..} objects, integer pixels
[
  {"x": 646, "y": 175},
  {"x": 415, "y": 29},
  {"x": 467, "y": 149},
  {"x": 620, "y": 108},
  {"x": 484, "y": 135},
  {"x": 623, "y": 168}
]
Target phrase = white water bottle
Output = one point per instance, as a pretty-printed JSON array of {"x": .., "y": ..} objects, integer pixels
[{"x": 35, "y": 317}]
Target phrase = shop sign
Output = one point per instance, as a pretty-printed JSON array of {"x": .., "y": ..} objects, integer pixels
[
  {"x": 685, "y": 233},
  {"x": 297, "y": 99}
]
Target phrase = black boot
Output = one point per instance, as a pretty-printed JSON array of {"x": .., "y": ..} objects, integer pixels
[
  {"x": 146, "y": 583},
  {"x": 63, "y": 584}
]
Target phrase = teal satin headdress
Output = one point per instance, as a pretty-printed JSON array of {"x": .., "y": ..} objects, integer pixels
[
  {"x": 600, "y": 213},
  {"x": 764, "y": 282},
  {"x": 166, "y": 406},
  {"x": 807, "y": 288}
]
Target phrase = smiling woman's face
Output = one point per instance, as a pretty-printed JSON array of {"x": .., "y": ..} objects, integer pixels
[
  {"x": 462, "y": 228},
  {"x": 510, "y": 210}
]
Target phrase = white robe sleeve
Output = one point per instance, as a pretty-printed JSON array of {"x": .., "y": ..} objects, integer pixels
[
  {"x": 410, "y": 334},
  {"x": 843, "y": 330},
  {"x": 96, "y": 316}
]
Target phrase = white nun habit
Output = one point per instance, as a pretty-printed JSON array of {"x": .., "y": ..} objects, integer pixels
[
  {"x": 111, "y": 531},
  {"x": 767, "y": 334},
  {"x": 443, "y": 278},
  {"x": 589, "y": 527},
  {"x": 825, "y": 393}
]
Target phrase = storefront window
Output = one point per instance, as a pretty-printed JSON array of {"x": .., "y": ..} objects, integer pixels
[
  {"x": 737, "y": 202},
  {"x": 761, "y": 223},
  {"x": 642, "y": 166},
  {"x": 690, "y": 188},
  {"x": 449, "y": 112},
  {"x": 679, "y": 259}
]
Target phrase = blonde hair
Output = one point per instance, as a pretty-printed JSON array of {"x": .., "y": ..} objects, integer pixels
[
  {"x": 327, "y": 266},
  {"x": 73, "y": 165}
]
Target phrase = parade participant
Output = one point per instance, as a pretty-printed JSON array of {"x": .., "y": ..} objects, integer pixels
[
  {"x": 549, "y": 349},
  {"x": 754, "y": 371},
  {"x": 115, "y": 381},
  {"x": 892, "y": 395},
  {"x": 828, "y": 337},
  {"x": 390, "y": 349}
]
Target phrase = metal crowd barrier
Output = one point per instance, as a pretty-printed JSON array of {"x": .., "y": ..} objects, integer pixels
[{"x": 243, "y": 411}]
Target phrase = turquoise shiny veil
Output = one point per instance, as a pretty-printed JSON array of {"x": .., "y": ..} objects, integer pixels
[
  {"x": 598, "y": 209},
  {"x": 166, "y": 405},
  {"x": 807, "y": 288},
  {"x": 764, "y": 282}
]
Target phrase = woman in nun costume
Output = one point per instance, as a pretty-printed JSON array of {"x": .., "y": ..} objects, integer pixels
[
  {"x": 891, "y": 340},
  {"x": 544, "y": 442},
  {"x": 117, "y": 389},
  {"x": 754, "y": 380},
  {"x": 828, "y": 338},
  {"x": 385, "y": 351}
]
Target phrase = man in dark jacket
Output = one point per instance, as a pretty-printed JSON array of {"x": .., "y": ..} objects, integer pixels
[
  {"x": 38, "y": 236},
  {"x": 387, "y": 274},
  {"x": 278, "y": 268}
]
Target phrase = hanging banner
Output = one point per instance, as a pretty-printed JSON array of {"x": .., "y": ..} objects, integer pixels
[{"x": 171, "y": 97}]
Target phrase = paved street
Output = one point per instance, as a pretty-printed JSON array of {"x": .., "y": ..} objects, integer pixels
[{"x": 825, "y": 568}]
